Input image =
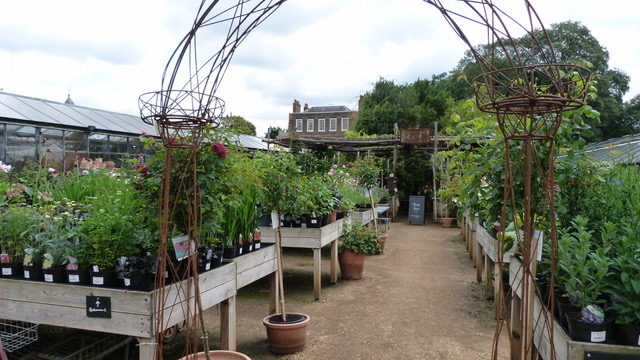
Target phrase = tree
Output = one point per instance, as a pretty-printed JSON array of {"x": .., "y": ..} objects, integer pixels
[
  {"x": 416, "y": 105},
  {"x": 242, "y": 125},
  {"x": 573, "y": 44},
  {"x": 274, "y": 132}
]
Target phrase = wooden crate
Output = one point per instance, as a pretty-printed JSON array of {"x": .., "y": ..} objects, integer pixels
[{"x": 364, "y": 217}]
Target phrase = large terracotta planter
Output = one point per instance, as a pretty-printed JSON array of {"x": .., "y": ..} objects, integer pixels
[
  {"x": 289, "y": 337},
  {"x": 351, "y": 264},
  {"x": 447, "y": 222},
  {"x": 218, "y": 355}
]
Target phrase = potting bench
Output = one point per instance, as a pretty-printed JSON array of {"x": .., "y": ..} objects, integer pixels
[
  {"x": 315, "y": 239},
  {"x": 132, "y": 312}
]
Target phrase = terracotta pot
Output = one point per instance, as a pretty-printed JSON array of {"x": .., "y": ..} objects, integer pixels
[
  {"x": 218, "y": 355},
  {"x": 351, "y": 264},
  {"x": 447, "y": 222},
  {"x": 289, "y": 337},
  {"x": 333, "y": 217},
  {"x": 382, "y": 241}
]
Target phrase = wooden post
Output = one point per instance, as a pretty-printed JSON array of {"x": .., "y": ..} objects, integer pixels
[
  {"x": 228, "y": 324},
  {"x": 147, "y": 348},
  {"x": 333, "y": 276},
  {"x": 317, "y": 272}
]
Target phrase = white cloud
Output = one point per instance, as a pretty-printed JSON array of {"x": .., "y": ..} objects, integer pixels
[{"x": 319, "y": 52}]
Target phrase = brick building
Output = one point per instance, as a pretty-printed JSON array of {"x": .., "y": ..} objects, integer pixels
[{"x": 321, "y": 120}]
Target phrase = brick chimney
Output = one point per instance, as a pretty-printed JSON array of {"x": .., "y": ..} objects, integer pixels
[
  {"x": 296, "y": 106},
  {"x": 306, "y": 106}
]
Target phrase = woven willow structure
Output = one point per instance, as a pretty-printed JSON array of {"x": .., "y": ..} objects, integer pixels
[
  {"x": 525, "y": 87},
  {"x": 180, "y": 111}
]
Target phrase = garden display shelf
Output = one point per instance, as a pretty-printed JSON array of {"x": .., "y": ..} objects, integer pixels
[
  {"x": 565, "y": 348},
  {"x": 315, "y": 239},
  {"x": 131, "y": 312}
]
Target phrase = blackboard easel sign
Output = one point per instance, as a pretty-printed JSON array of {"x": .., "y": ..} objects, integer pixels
[{"x": 416, "y": 209}]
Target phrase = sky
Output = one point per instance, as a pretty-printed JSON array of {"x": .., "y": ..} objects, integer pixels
[{"x": 329, "y": 52}]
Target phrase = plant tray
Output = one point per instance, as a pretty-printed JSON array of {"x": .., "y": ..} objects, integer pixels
[{"x": 17, "y": 334}]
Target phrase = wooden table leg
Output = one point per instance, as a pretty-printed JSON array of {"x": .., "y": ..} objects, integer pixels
[
  {"x": 274, "y": 306},
  {"x": 147, "y": 348},
  {"x": 334, "y": 262},
  {"x": 228, "y": 324},
  {"x": 317, "y": 273}
]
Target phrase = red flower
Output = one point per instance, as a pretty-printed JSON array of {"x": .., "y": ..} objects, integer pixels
[
  {"x": 142, "y": 170},
  {"x": 220, "y": 149}
]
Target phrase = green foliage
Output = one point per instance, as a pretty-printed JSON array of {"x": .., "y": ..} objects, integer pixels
[
  {"x": 415, "y": 105},
  {"x": 583, "y": 264},
  {"x": 315, "y": 197},
  {"x": 359, "y": 239},
  {"x": 240, "y": 125},
  {"x": 17, "y": 224},
  {"x": 367, "y": 172},
  {"x": 280, "y": 179}
]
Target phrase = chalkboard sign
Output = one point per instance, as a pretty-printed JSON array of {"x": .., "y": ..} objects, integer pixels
[
  {"x": 99, "y": 307},
  {"x": 596, "y": 355},
  {"x": 416, "y": 208}
]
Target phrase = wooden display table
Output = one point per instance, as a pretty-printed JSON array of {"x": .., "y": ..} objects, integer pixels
[
  {"x": 565, "y": 348},
  {"x": 132, "y": 311},
  {"x": 315, "y": 239}
]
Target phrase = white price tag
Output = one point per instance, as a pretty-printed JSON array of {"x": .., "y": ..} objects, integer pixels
[
  {"x": 127, "y": 282},
  {"x": 598, "y": 336},
  {"x": 98, "y": 280},
  {"x": 27, "y": 274},
  {"x": 256, "y": 246},
  {"x": 48, "y": 277},
  {"x": 6, "y": 271},
  {"x": 208, "y": 266},
  {"x": 74, "y": 278}
]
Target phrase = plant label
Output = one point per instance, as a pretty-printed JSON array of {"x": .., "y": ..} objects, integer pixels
[
  {"x": 96, "y": 268},
  {"x": 48, "y": 277},
  {"x": 256, "y": 246},
  {"x": 27, "y": 274},
  {"x": 97, "y": 280},
  {"x": 4, "y": 258},
  {"x": 208, "y": 266},
  {"x": 127, "y": 282},
  {"x": 7, "y": 271},
  {"x": 99, "y": 307},
  {"x": 598, "y": 336},
  {"x": 74, "y": 278}
]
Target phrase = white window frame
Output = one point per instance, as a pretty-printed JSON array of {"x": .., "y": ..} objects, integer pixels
[
  {"x": 298, "y": 125},
  {"x": 345, "y": 128},
  {"x": 309, "y": 125},
  {"x": 321, "y": 127},
  {"x": 333, "y": 124}
]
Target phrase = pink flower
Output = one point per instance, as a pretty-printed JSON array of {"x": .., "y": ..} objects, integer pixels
[
  {"x": 219, "y": 149},
  {"x": 85, "y": 172},
  {"x": 331, "y": 173},
  {"x": 142, "y": 170},
  {"x": 347, "y": 174},
  {"x": 335, "y": 166},
  {"x": 144, "y": 133}
]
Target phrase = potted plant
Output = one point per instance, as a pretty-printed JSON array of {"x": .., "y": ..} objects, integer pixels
[
  {"x": 16, "y": 224},
  {"x": 139, "y": 271},
  {"x": 316, "y": 201},
  {"x": 356, "y": 242},
  {"x": 583, "y": 265},
  {"x": 623, "y": 286},
  {"x": 279, "y": 177}
]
